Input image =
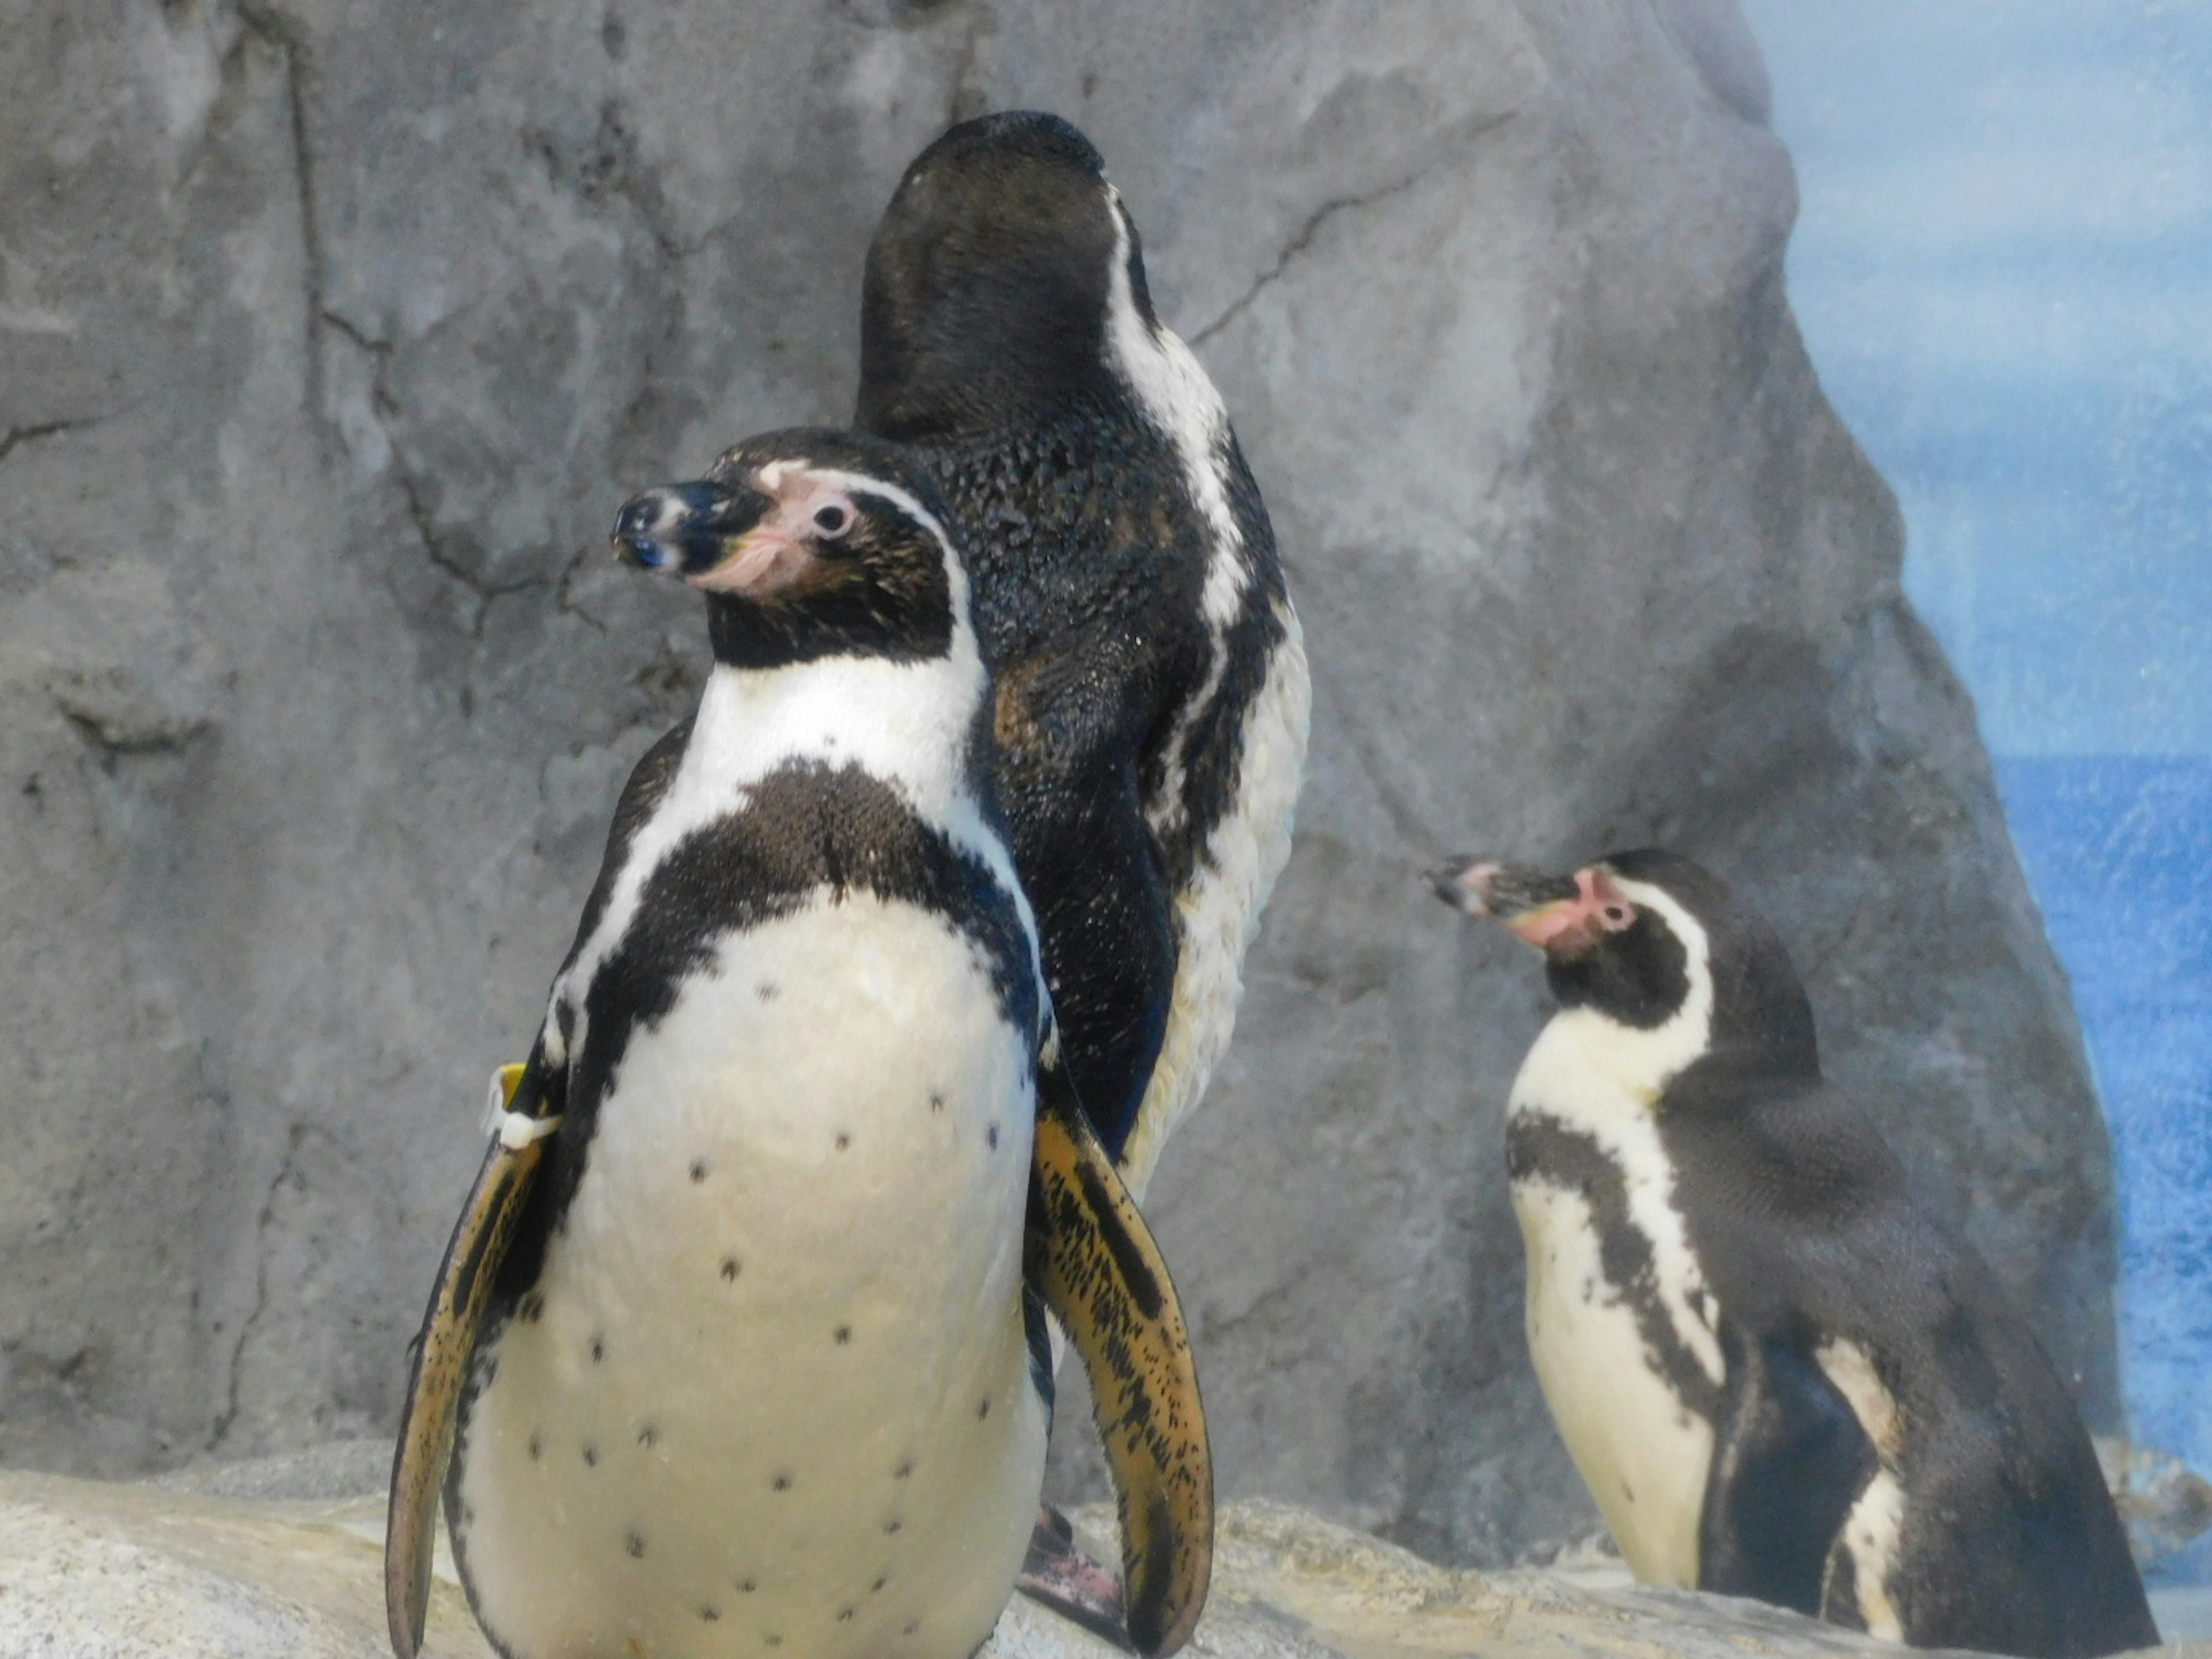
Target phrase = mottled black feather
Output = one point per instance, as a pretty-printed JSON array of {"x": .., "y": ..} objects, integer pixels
[{"x": 984, "y": 345}]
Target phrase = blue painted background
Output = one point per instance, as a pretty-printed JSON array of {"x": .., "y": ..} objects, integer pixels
[{"x": 2003, "y": 269}]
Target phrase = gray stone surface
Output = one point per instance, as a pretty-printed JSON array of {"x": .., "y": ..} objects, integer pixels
[
  {"x": 331, "y": 335},
  {"x": 124, "y": 1570}
]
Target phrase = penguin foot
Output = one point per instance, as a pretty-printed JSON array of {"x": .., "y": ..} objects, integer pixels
[{"x": 1059, "y": 1574}]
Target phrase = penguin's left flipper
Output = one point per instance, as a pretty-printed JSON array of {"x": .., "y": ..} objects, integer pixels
[
  {"x": 1088, "y": 1253},
  {"x": 448, "y": 1339},
  {"x": 1789, "y": 1459}
]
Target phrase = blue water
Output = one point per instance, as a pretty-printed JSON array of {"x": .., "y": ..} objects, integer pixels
[{"x": 2119, "y": 849}]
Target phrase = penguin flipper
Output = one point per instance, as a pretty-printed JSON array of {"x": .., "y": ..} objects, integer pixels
[
  {"x": 1093, "y": 870},
  {"x": 441, "y": 1354},
  {"x": 1088, "y": 1252},
  {"x": 1789, "y": 1459}
]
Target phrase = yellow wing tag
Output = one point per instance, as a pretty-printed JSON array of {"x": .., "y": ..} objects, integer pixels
[
  {"x": 443, "y": 1351},
  {"x": 1089, "y": 1254}
]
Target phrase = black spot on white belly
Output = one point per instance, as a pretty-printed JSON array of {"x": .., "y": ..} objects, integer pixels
[
  {"x": 804, "y": 828},
  {"x": 844, "y": 1143},
  {"x": 648, "y": 1436},
  {"x": 903, "y": 1470},
  {"x": 729, "y": 1267},
  {"x": 991, "y": 1137},
  {"x": 781, "y": 1483},
  {"x": 709, "y": 1613},
  {"x": 633, "y": 1541},
  {"x": 766, "y": 990},
  {"x": 937, "y": 1102},
  {"x": 698, "y": 1171},
  {"x": 843, "y": 1334},
  {"x": 982, "y": 1408},
  {"x": 599, "y": 1349}
]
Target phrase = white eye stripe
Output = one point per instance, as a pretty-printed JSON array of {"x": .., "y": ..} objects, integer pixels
[{"x": 856, "y": 484}]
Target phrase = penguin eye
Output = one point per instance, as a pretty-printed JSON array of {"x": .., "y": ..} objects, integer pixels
[
  {"x": 833, "y": 519},
  {"x": 1616, "y": 915}
]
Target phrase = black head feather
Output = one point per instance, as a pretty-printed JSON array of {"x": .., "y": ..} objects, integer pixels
[
  {"x": 986, "y": 297},
  {"x": 808, "y": 544}
]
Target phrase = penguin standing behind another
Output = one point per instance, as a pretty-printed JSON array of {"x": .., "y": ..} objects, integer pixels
[
  {"x": 738, "y": 1346},
  {"x": 1152, "y": 694},
  {"x": 1779, "y": 1375}
]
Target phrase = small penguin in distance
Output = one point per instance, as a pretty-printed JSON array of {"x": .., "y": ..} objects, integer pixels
[
  {"x": 1152, "y": 703},
  {"x": 1780, "y": 1376},
  {"x": 740, "y": 1342}
]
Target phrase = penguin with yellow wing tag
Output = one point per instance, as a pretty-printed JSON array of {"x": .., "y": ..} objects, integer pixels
[{"x": 739, "y": 1345}]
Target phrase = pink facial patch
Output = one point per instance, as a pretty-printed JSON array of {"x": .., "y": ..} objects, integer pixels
[
  {"x": 766, "y": 560},
  {"x": 1569, "y": 927}
]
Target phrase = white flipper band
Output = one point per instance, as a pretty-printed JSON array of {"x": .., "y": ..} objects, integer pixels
[{"x": 515, "y": 1130}]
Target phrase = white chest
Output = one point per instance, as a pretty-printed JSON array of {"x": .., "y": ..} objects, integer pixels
[
  {"x": 774, "y": 1391},
  {"x": 1616, "y": 1335}
]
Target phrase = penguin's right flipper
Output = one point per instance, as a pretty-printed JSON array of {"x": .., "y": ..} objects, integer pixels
[
  {"x": 447, "y": 1342},
  {"x": 1789, "y": 1459},
  {"x": 1089, "y": 1254}
]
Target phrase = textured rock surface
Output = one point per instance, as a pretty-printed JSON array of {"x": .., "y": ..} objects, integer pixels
[
  {"x": 330, "y": 337},
  {"x": 126, "y": 1570}
]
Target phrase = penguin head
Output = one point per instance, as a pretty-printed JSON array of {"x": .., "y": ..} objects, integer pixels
[
  {"x": 1647, "y": 941},
  {"x": 808, "y": 544},
  {"x": 993, "y": 279}
]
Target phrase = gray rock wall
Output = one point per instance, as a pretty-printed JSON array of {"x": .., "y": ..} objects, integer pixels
[{"x": 330, "y": 335}]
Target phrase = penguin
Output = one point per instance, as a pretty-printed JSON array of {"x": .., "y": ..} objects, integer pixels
[
  {"x": 1154, "y": 700},
  {"x": 739, "y": 1345},
  {"x": 1779, "y": 1375}
]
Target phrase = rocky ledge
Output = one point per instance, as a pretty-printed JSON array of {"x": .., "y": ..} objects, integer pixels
[{"x": 282, "y": 1558}]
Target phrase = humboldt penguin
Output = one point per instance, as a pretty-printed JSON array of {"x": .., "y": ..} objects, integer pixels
[
  {"x": 1780, "y": 1375},
  {"x": 1152, "y": 697},
  {"x": 739, "y": 1345}
]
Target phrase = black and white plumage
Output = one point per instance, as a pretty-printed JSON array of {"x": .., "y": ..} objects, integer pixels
[
  {"x": 1780, "y": 1376},
  {"x": 1153, "y": 698},
  {"x": 739, "y": 1345}
]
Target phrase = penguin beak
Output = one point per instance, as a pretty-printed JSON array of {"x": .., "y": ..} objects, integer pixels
[
  {"x": 712, "y": 535},
  {"x": 1458, "y": 882},
  {"x": 1491, "y": 887},
  {"x": 1560, "y": 915}
]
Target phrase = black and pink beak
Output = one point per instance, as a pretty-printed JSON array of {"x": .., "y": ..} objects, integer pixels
[
  {"x": 1560, "y": 915},
  {"x": 687, "y": 530}
]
